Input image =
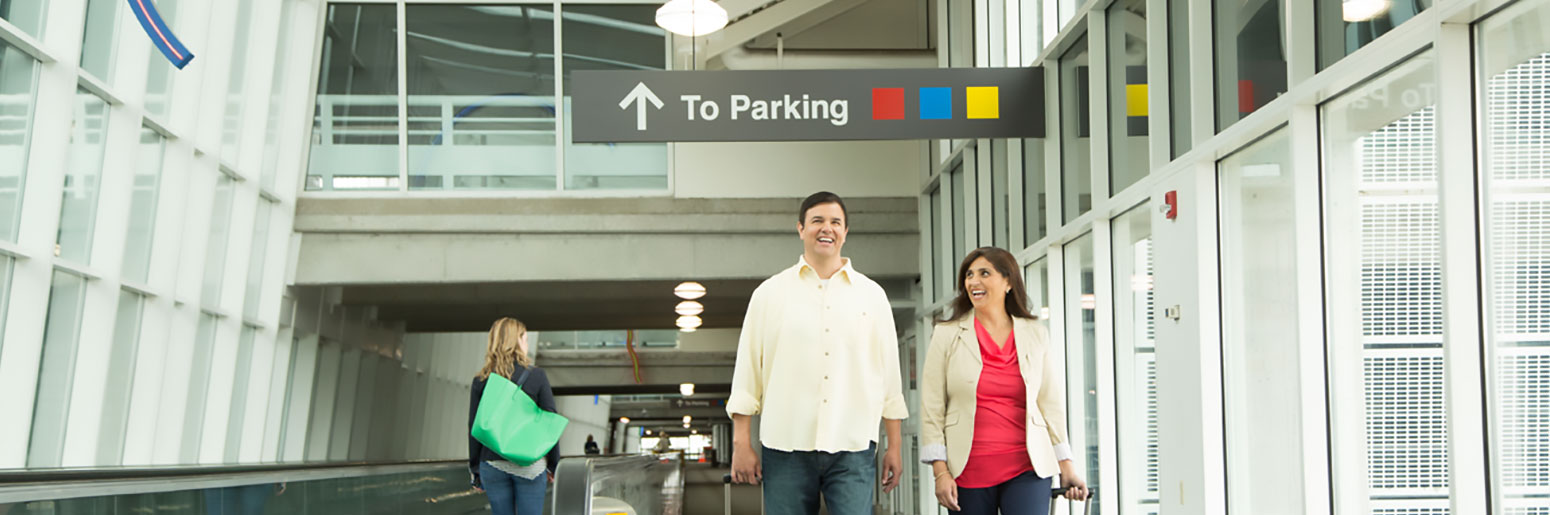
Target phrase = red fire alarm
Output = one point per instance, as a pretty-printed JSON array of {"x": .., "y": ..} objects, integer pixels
[{"x": 1171, "y": 205}]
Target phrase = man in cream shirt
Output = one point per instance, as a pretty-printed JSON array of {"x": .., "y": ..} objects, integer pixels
[{"x": 819, "y": 359}]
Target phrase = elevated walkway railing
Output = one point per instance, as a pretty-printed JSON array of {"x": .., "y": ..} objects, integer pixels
[
  {"x": 647, "y": 484},
  {"x": 430, "y": 487}
]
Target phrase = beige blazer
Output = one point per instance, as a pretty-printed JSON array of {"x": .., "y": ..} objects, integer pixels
[{"x": 951, "y": 379}]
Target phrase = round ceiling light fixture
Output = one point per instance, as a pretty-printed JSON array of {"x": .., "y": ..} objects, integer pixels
[
  {"x": 693, "y": 18},
  {"x": 689, "y": 308},
  {"x": 689, "y": 322},
  {"x": 689, "y": 290},
  {"x": 624, "y": 420},
  {"x": 686, "y": 389}
]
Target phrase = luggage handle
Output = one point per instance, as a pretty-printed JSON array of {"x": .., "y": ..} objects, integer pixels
[{"x": 1055, "y": 494}]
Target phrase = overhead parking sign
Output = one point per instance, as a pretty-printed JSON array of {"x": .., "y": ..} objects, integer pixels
[{"x": 806, "y": 105}]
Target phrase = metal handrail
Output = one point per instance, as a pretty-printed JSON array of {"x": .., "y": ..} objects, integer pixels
[
  {"x": 18, "y": 486},
  {"x": 574, "y": 487}
]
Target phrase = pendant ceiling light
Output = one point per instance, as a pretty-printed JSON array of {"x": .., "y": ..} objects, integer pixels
[{"x": 691, "y": 18}]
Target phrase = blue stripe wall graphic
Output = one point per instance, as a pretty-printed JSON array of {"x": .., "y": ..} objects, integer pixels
[{"x": 161, "y": 35}]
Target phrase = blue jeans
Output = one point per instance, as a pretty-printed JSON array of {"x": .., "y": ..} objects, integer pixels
[
  {"x": 1026, "y": 494},
  {"x": 512, "y": 495},
  {"x": 793, "y": 480}
]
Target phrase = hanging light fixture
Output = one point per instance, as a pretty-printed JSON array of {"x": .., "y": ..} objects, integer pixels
[
  {"x": 689, "y": 323},
  {"x": 689, "y": 290},
  {"x": 689, "y": 308},
  {"x": 691, "y": 18}
]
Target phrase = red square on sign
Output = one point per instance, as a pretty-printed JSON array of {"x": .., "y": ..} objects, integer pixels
[{"x": 887, "y": 103}]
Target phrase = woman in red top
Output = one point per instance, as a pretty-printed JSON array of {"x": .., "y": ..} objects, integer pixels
[{"x": 993, "y": 398}]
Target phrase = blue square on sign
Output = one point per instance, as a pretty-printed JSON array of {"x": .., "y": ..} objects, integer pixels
[{"x": 936, "y": 103}]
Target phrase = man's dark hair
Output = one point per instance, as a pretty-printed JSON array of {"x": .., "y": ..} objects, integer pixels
[{"x": 822, "y": 197}]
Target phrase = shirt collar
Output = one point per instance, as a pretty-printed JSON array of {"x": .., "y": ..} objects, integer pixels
[{"x": 845, "y": 271}]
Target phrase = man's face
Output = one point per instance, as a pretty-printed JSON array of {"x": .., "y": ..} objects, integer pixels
[{"x": 823, "y": 230}]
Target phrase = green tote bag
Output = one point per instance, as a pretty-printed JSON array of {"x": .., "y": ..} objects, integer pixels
[{"x": 512, "y": 425}]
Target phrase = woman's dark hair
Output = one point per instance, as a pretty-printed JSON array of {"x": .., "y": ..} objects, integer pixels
[
  {"x": 822, "y": 197},
  {"x": 1006, "y": 265}
]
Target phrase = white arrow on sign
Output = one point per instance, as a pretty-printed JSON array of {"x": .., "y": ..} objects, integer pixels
[{"x": 639, "y": 96}]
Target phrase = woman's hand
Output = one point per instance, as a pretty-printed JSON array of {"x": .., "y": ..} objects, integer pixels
[
  {"x": 947, "y": 492},
  {"x": 1076, "y": 488}
]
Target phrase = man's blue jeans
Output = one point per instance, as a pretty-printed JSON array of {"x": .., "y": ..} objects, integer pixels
[{"x": 793, "y": 481}]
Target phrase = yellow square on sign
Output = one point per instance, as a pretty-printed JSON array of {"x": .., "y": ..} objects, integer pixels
[{"x": 984, "y": 103}]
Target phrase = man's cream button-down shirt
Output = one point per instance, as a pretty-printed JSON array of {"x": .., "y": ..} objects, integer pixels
[{"x": 819, "y": 362}]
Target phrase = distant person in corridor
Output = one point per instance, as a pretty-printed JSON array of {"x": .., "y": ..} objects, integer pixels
[
  {"x": 511, "y": 488},
  {"x": 819, "y": 359},
  {"x": 993, "y": 405},
  {"x": 591, "y": 446}
]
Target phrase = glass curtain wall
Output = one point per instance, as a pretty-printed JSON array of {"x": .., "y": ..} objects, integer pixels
[
  {"x": 1384, "y": 282},
  {"x": 355, "y": 126},
  {"x": 1259, "y": 328},
  {"x": 1250, "y": 58},
  {"x": 1129, "y": 155},
  {"x": 18, "y": 81},
  {"x": 1514, "y": 85},
  {"x": 1076, "y": 131},
  {"x": 1135, "y": 361},
  {"x": 612, "y": 37},
  {"x": 482, "y": 111},
  {"x": 1082, "y": 359}
]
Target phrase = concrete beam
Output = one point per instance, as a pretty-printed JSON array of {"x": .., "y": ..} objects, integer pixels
[{"x": 591, "y": 368}]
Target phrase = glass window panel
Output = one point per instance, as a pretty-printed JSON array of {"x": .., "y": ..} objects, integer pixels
[
  {"x": 1514, "y": 55},
  {"x": 1129, "y": 156},
  {"x": 98, "y": 37},
  {"x": 1000, "y": 193},
  {"x": 481, "y": 97},
  {"x": 276, "y": 94},
  {"x": 1076, "y": 131},
  {"x": 1179, "y": 77},
  {"x": 26, "y": 15},
  {"x": 1384, "y": 244},
  {"x": 142, "y": 205},
  {"x": 18, "y": 79},
  {"x": 1346, "y": 25},
  {"x": 939, "y": 266},
  {"x": 1034, "y": 201},
  {"x": 355, "y": 132},
  {"x": 1067, "y": 10},
  {"x": 83, "y": 173},
  {"x": 613, "y": 37},
  {"x": 1259, "y": 323},
  {"x": 963, "y": 223},
  {"x": 56, "y": 371},
  {"x": 120, "y": 378},
  {"x": 1082, "y": 371},
  {"x": 239, "y": 393},
  {"x": 255, "y": 283},
  {"x": 231, "y": 124},
  {"x": 1037, "y": 275},
  {"x": 960, "y": 35},
  {"x": 159, "y": 78},
  {"x": 215, "y": 247},
  {"x": 1030, "y": 23},
  {"x": 1135, "y": 360},
  {"x": 5, "y": 294},
  {"x": 1250, "y": 58},
  {"x": 199, "y": 382}
]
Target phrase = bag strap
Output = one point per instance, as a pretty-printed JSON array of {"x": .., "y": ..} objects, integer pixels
[{"x": 523, "y": 378}]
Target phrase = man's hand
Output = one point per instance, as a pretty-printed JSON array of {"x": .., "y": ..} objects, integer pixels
[
  {"x": 745, "y": 465},
  {"x": 893, "y": 468}
]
